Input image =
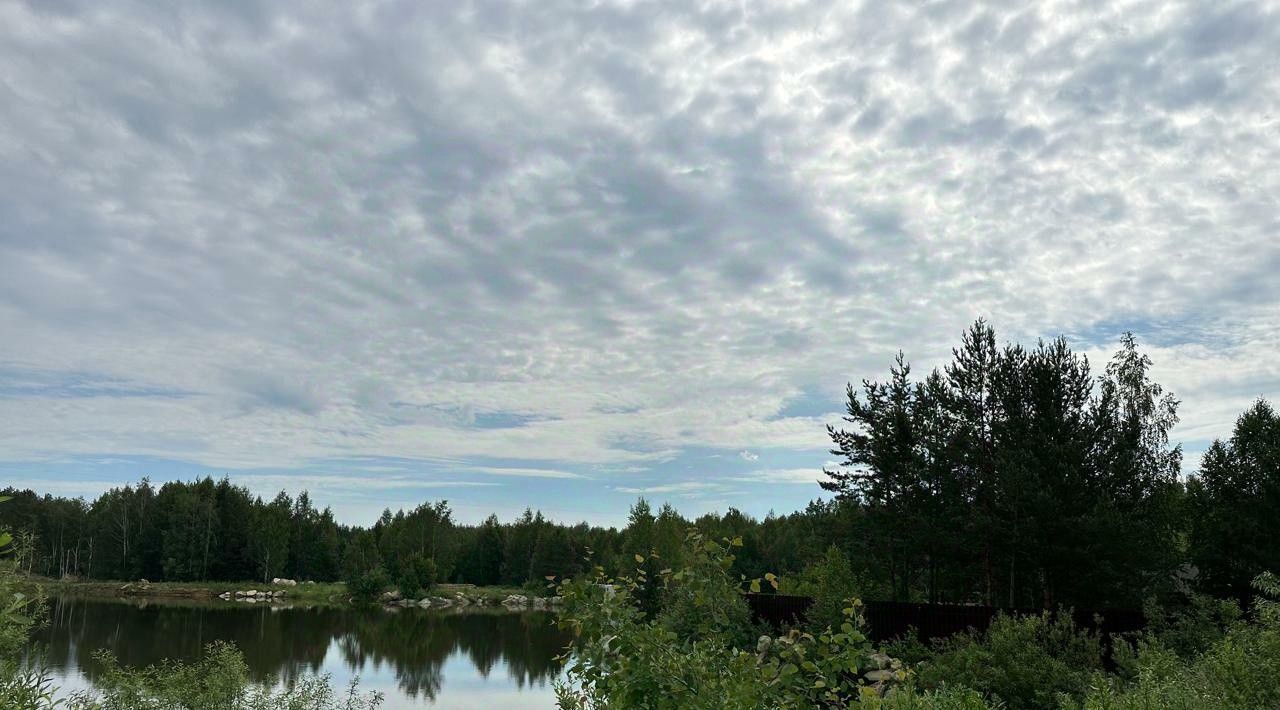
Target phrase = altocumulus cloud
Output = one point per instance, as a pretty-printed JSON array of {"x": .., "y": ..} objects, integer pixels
[{"x": 607, "y": 241}]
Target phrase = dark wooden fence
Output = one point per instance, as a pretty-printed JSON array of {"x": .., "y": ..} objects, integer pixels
[{"x": 886, "y": 620}]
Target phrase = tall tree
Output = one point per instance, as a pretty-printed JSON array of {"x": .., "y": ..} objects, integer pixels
[
  {"x": 1234, "y": 501},
  {"x": 269, "y": 536}
]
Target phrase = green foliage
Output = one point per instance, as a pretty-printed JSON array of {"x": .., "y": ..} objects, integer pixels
[
  {"x": 688, "y": 656},
  {"x": 217, "y": 680},
  {"x": 700, "y": 600},
  {"x": 1233, "y": 503},
  {"x": 831, "y": 582},
  {"x": 1194, "y": 624},
  {"x": 26, "y": 688},
  {"x": 362, "y": 567},
  {"x": 1013, "y": 476},
  {"x": 1239, "y": 671},
  {"x": 909, "y": 698},
  {"x": 1025, "y": 662},
  {"x": 417, "y": 576},
  {"x": 366, "y": 587},
  {"x": 269, "y": 537},
  {"x": 20, "y": 687}
]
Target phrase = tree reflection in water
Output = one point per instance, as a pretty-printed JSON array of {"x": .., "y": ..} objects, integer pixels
[{"x": 283, "y": 643}]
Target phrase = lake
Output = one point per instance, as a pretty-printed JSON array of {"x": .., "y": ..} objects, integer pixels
[{"x": 417, "y": 658}]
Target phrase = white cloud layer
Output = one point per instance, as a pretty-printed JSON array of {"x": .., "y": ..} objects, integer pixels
[{"x": 253, "y": 234}]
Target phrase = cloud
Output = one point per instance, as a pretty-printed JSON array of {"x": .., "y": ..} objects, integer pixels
[
  {"x": 524, "y": 472},
  {"x": 685, "y": 487},
  {"x": 808, "y": 476},
  {"x": 593, "y": 237}
]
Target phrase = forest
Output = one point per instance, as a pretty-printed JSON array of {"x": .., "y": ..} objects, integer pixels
[{"x": 1013, "y": 476}]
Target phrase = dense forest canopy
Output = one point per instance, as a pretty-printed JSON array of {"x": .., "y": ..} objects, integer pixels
[{"x": 1014, "y": 476}]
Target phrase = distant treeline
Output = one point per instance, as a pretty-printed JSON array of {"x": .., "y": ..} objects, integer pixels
[{"x": 1012, "y": 476}]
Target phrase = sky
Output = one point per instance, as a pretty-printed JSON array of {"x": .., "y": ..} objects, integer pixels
[{"x": 563, "y": 254}]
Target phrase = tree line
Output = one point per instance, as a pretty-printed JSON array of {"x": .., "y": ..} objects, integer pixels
[
  {"x": 1012, "y": 476},
  {"x": 1019, "y": 477}
]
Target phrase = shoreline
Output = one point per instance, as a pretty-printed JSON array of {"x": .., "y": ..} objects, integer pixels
[{"x": 442, "y": 596}]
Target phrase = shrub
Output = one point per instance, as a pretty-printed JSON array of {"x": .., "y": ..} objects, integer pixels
[
  {"x": 688, "y": 657},
  {"x": 367, "y": 586},
  {"x": 1239, "y": 671},
  {"x": 831, "y": 582},
  {"x": 220, "y": 679},
  {"x": 1194, "y": 625},
  {"x": 417, "y": 576},
  {"x": 701, "y": 601},
  {"x": 1025, "y": 662},
  {"x": 26, "y": 688}
]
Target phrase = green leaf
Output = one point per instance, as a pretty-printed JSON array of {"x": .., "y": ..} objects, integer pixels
[
  {"x": 755, "y": 586},
  {"x": 790, "y": 669},
  {"x": 640, "y": 558}
]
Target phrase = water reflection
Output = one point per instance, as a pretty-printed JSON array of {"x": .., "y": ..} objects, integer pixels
[{"x": 283, "y": 643}]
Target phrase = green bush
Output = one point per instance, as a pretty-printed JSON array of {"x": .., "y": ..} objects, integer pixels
[
  {"x": 26, "y": 688},
  {"x": 533, "y": 589},
  {"x": 1239, "y": 671},
  {"x": 689, "y": 657},
  {"x": 831, "y": 582},
  {"x": 220, "y": 679},
  {"x": 367, "y": 586},
  {"x": 1025, "y": 662},
  {"x": 701, "y": 601},
  {"x": 1193, "y": 625},
  {"x": 417, "y": 576}
]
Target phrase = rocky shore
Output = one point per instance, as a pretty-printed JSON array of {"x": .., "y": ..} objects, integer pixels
[{"x": 460, "y": 600}]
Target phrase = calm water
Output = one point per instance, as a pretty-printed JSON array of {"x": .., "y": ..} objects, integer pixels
[{"x": 416, "y": 658}]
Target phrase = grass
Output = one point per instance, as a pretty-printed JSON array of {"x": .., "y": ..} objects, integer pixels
[{"x": 319, "y": 593}]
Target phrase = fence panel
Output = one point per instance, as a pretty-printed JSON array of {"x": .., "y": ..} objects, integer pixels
[{"x": 887, "y": 620}]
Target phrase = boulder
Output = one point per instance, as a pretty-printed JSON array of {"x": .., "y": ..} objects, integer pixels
[
  {"x": 281, "y": 581},
  {"x": 391, "y": 596},
  {"x": 516, "y": 600}
]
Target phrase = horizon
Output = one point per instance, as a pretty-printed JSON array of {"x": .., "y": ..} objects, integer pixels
[{"x": 557, "y": 258}]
